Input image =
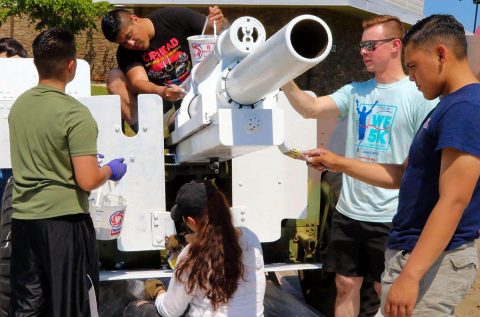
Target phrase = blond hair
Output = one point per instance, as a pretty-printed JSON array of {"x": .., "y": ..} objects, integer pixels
[{"x": 393, "y": 25}]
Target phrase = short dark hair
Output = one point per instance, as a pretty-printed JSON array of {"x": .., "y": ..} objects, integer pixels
[
  {"x": 52, "y": 50},
  {"x": 12, "y": 47},
  {"x": 438, "y": 29},
  {"x": 112, "y": 23}
]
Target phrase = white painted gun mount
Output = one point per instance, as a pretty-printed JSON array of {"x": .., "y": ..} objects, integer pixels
[{"x": 230, "y": 109}]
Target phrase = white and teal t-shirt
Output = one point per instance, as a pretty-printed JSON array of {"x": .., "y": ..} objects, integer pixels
[{"x": 382, "y": 121}]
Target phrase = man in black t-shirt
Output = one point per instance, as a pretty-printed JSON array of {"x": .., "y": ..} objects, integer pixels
[{"x": 153, "y": 54}]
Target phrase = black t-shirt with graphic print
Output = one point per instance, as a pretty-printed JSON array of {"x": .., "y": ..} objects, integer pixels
[{"x": 167, "y": 60}]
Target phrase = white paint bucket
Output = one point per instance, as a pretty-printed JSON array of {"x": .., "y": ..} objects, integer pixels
[
  {"x": 200, "y": 46},
  {"x": 107, "y": 211}
]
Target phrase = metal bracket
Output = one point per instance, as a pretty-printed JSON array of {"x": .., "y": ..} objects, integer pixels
[
  {"x": 214, "y": 165},
  {"x": 160, "y": 227}
]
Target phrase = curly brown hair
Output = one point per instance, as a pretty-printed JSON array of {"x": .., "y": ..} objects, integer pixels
[{"x": 213, "y": 262}]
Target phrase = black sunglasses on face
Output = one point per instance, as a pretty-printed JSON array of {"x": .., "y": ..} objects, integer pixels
[{"x": 371, "y": 45}]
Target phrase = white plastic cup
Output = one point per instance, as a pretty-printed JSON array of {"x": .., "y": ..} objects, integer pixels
[
  {"x": 200, "y": 46},
  {"x": 107, "y": 215}
]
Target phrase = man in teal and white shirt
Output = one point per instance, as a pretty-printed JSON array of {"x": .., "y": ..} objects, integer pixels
[{"x": 383, "y": 114}]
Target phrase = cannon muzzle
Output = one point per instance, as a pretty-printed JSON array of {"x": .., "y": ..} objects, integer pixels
[{"x": 298, "y": 46}]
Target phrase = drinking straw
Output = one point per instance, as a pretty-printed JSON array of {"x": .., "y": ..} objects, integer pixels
[{"x": 99, "y": 194}]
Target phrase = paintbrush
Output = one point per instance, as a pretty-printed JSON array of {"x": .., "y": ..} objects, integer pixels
[{"x": 290, "y": 152}]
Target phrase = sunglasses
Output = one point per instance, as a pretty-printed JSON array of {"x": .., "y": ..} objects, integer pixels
[{"x": 371, "y": 45}]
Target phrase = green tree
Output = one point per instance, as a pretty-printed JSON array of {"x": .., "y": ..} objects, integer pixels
[{"x": 73, "y": 15}]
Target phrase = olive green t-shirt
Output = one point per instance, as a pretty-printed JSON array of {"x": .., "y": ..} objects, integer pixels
[{"x": 47, "y": 128}]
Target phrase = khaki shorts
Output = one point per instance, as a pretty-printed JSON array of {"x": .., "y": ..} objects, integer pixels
[{"x": 443, "y": 287}]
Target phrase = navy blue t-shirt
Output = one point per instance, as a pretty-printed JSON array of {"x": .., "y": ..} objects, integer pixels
[{"x": 454, "y": 123}]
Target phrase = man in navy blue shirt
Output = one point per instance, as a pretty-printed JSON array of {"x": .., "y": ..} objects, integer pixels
[{"x": 431, "y": 260}]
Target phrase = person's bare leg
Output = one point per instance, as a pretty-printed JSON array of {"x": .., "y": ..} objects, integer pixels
[
  {"x": 117, "y": 84},
  {"x": 378, "y": 290},
  {"x": 347, "y": 302}
]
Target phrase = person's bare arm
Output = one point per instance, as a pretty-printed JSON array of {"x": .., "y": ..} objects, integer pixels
[
  {"x": 309, "y": 106},
  {"x": 381, "y": 175},
  {"x": 215, "y": 15},
  {"x": 459, "y": 173},
  {"x": 138, "y": 78},
  {"x": 87, "y": 172}
]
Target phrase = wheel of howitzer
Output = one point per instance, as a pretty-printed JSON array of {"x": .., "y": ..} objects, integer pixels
[{"x": 5, "y": 247}]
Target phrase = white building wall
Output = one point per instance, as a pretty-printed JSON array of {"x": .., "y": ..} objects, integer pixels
[{"x": 413, "y": 5}]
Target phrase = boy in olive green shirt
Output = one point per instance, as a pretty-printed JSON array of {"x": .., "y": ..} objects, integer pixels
[{"x": 53, "y": 150}]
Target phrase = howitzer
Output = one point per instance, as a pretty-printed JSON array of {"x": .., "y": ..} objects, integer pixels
[{"x": 230, "y": 109}]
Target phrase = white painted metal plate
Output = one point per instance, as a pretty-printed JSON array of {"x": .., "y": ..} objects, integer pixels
[
  {"x": 144, "y": 183},
  {"x": 233, "y": 132},
  {"x": 19, "y": 75},
  {"x": 130, "y": 275},
  {"x": 268, "y": 186}
]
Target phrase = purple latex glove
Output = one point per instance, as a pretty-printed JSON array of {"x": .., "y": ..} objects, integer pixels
[{"x": 118, "y": 168}]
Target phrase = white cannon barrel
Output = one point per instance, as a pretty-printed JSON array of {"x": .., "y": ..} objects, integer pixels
[{"x": 298, "y": 46}]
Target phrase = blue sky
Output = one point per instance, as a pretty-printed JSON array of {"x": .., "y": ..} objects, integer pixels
[{"x": 463, "y": 11}]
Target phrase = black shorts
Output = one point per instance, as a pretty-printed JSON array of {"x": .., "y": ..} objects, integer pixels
[
  {"x": 53, "y": 267},
  {"x": 356, "y": 248}
]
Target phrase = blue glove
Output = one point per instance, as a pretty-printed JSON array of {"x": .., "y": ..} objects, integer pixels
[{"x": 118, "y": 168}]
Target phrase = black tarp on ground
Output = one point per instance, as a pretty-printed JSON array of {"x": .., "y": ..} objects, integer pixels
[
  {"x": 116, "y": 295},
  {"x": 279, "y": 303}
]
